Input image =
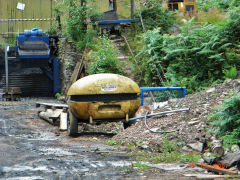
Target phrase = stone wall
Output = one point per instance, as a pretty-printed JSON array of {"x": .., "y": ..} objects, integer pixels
[{"x": 69, "y": 56}]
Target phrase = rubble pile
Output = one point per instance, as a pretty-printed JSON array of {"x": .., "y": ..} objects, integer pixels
[{"x": 190, "y": 126}]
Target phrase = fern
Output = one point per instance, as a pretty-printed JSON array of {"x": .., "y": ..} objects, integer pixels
[
  {"x": 228, "y": 121},
  {"x": 231, "y": 73}
]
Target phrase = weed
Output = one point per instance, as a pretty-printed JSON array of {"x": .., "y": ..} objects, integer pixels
[
  {"x": 141, "y": 166},
  {"x": 230, "y": 73},
  {"x": 227, "y": 121},
  {"x": 105, "y": 58},
  {"x": 169, "y": 153},
  {"x": 111, "y": 142},
  {"x": 212, "y": 16}
]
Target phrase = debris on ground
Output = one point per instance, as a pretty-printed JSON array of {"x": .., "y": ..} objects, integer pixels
[{"x": 191, "y": 127}]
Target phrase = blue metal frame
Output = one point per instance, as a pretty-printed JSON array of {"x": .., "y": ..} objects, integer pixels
[
  {"x": 37, "y": 35},
  {"x": 34, "y": 56},
  {"x": 119, "y": 21},
  {"x": 32, "y": 35},
  {"x": 147, "y": 89},
  {"x": 55, "y": 75}
]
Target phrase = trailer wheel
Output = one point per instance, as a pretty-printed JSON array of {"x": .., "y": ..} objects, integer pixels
[{"x": 72, "y": 125}]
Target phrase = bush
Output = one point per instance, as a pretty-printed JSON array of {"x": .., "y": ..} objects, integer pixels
[
  {"x": 195, "y": 58},
  {"x": 105, "y": 58},
  {"x": 205, "y": 5},
  {"x": 74, "y": 21},
  {"x": 231, "y": 73},
  {"x": 228, "y": 121},
  {"x": 154, "y": 16}
]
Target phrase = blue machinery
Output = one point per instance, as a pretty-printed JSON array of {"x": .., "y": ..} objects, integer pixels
[
  {"x": 148, "y": 89},
  {"x": 110, "y": 22},
  {"x": 33, "y": 50}
]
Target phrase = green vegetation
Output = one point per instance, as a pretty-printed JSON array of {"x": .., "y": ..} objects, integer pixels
[
  {"x": 227, "y": 121},
  {"x": 154, "y": 16},
  {"x": 74, "y": 16},
  {"x": 205, "y": 5},
  {"x": 231, "y": 73},
  {"x": 196, "y": 54},
  {"x": 111, "y": 142},
  {"x": 196, "y": 57},
  {"x": 169, "y": 153},
  {"x": 141, "y": 166},
  {"x": 105, "y": 57}
]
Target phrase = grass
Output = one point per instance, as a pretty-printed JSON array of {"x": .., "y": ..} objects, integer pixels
[
  {"x": 141, "y": 166},
  {"x": 212, "y": 16},
  {"x": 169, "y": 157},
  {"x": 111, "y": 142},
  {"x": 170, "y": 153}
]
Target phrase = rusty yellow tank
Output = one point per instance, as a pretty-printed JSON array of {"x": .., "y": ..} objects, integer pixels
[{"x": 103, "y": 96}]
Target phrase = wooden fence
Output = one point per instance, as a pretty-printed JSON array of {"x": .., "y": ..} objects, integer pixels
[{"x": 25, "y": 14}]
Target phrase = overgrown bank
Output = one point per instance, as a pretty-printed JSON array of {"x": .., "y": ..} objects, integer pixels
[{"x": 194, "y": 55}]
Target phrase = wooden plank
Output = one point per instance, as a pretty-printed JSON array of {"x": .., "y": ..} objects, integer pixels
[
  {"x": 38, "y": 104},
  {"x": 215, "y": 168},
  {"x": 56, "y": 113}
]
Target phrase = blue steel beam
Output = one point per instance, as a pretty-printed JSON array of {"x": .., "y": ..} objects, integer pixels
[
  {"x": 147, "y": 89},
  {"x": 6, "y": 67},
  {"x": 119, "y": 21}
]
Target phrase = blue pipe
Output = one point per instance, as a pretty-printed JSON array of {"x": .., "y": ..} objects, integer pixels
[
  {"x": 119, "y": 21},
  {"x": 147, "y": 89}
]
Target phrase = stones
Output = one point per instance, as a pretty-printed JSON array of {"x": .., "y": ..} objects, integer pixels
[
  {"x": 159, "y": 105},
  {"x": 198, "y": 146},
  {"x": 193, "y": 122},
  {"x": 231, "y": 159},
  {"x": 235, "y": 148},
  {"x": 210, "y": 90},
  {"x": 185, "y": 148},
  {"x": 209, "y": 158},
  {"x": 174, "y": 100}
]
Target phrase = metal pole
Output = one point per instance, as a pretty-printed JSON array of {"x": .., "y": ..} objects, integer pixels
[
  {"x": 160, "y": 113},
  {"x": 6, "y": 67},
  {"x": 132, "y": 8}
]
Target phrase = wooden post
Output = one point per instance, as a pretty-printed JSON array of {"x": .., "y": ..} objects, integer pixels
[
  {"x": 132, "y": 8},
  {"x": 115, "y": 5}
]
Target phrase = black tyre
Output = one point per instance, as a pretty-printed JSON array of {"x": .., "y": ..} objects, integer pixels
[{"x": 72, "y": 126}]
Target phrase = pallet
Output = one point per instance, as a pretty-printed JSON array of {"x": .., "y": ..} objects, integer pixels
[{"x": 55, "y": 114}]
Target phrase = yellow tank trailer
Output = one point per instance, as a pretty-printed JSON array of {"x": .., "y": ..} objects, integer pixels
[{"x": 101, "y": 97}]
